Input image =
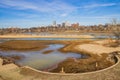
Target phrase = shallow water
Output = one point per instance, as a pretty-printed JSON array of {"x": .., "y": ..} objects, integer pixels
[
  {"x": 8, "y": 39},
  {"x": 100, "y": 36},
  {"x": 38, "y": 60}
]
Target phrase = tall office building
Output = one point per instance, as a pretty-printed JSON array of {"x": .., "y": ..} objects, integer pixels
[
  {"x": 66, "y": 24},
  {"x": 54, "y": 23}
]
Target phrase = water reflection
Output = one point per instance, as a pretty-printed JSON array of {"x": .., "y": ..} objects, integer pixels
[{"x": 38, "y": 60}]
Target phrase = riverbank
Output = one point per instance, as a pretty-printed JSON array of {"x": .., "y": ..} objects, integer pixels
[
  {"x": 99, "y": 57},
  {"x": 32, "y": 45},
  {"x": 96, "y": 47},
  {"x": 46, "y": 36},
  {"x": 77, "y": 65},
  {"x": 20, "y": 45},
  {"x": 27, "y": 73},
  {"x": 95, "y": 61}
]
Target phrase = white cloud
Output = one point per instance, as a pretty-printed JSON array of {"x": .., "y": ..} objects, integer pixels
[
  {"x": 98, "y": 5},
  {"x": 55, "y": 7},
  {"x": 42, "y": 5},
  {"x": 101, "y": 17},
  {"x": 64, "y": 14}
]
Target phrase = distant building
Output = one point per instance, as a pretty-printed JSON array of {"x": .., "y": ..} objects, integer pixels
[
  {"x": 54, "y": 23},
  {"x": 65, "y": 24},
  {"x": 75, "y": 25},
  {"x": 58, "y": 25}
]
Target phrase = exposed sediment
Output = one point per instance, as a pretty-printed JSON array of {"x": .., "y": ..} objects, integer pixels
[
  {"x": 27, "y": 73},
  {"x": 20, "y": 45},
  {"x": 92, "y": 63},
  {"x": 46, "y": 36}
]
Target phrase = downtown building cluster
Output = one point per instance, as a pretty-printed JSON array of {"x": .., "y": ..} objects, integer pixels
[{"x": 64, "y": 27}]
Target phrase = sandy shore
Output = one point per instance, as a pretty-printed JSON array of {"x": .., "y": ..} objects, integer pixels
[
  {"x": 30, "y": 45},
  {"x": 94, "y": 48},
  {"x": 46, "y": 36},
  {"x": 12, "y": 72},
  {"x": 97, "y": 49}
]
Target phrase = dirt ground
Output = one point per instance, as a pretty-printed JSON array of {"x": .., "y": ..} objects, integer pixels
[
  {"x": 92, "y": 63},
  {"x": 71, "y": 65}
]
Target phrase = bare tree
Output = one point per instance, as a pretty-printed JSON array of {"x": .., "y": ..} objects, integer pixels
[{"x": 115, "y": 28}]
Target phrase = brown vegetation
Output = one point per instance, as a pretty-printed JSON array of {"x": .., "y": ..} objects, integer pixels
[
  {"x": 30, "y": 45},
  {"x": 113, "y": 44},
  {"x": 107, "y": 28},
  {"x": 71, "y": 65},
  {"x": 93, "y": 63},
  {"x": 70, "y": 47},
  {"x": 47, "y": 52},
  {"x": 10, "y": 59},
  {"x": 22, "y": 45}
]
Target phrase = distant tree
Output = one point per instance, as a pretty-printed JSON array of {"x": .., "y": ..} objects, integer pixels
[{"x": 115, "y": 28}]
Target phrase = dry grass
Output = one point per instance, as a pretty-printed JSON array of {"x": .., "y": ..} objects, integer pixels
[
  {"x": 93, "y": 63},
  {"x": 10, "y": 59},
  {"x": 22, "y": 45},
  {"x": 70, "y": 65},
  {"x": 48, "y": 51},
  {"x": 30, "y": 45},
  {"x": 70, "y": 47},
  {"x": 113, "y": 44}
]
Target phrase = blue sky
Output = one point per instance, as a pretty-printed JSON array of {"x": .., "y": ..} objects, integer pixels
[{"x": 29, "y": 13}]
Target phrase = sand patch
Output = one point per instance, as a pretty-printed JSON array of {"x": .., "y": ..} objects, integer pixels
[{"x": 96, "y": 49}]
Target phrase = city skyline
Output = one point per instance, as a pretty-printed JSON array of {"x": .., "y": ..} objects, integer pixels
[{"x": 29, "y": 13}]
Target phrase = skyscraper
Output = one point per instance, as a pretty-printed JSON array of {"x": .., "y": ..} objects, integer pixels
[
  {"x": 54, "y": 23},
  {"x": 66, "y": 24}
]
